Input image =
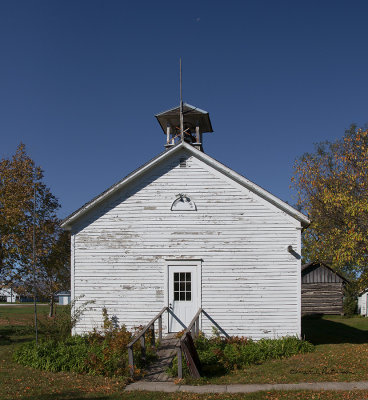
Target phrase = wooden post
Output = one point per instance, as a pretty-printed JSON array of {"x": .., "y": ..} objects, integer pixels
[
  {"x": 192, "y": 330},
  {"x": 197, "y": 134},
  {"x": 160, "y": 328},
  {"x": 153, "y": 334},
  {"x": 168, "y": 132},
  {"x": 180, "y": 363},
  {"x": 143, "y": 347},
  {"x": 131, "y": 361},
  {"x": 197, "y": 327}
]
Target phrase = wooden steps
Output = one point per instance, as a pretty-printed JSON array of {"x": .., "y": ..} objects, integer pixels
[{"x": 156, "y": 372}]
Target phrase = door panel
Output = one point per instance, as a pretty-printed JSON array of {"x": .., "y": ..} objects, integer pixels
[{"x": 183, "y": 296}]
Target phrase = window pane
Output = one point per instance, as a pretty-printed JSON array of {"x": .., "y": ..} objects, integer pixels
[
  {"x": 182, "y": 276},
  {"x": 176, "y": 286},
  {"x": 182, "y": 286},
  {"x": 176, "y": 276},
  {"x": 189, "y": 296},
  {"x": 188, "y": 276},
  {"x": 176, "y": 295},
  {"x": 182, "y": 295},
  {"x": 188, "y": 286}
]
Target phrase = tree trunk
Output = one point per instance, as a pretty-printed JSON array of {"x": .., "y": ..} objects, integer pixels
[{"x": 51, "y": 313}]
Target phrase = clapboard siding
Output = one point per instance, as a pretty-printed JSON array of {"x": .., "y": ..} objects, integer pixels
[
  {"x": 250, "y": 283},
  {"x": 363, "y": 303}
]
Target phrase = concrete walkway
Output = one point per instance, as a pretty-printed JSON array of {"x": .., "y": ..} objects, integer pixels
[{"x": 249, "y": 388}]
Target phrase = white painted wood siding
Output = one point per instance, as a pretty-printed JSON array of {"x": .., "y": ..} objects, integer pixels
[
  {"x": 363, "y": 304},
  {"x": 250, "y": 283}
]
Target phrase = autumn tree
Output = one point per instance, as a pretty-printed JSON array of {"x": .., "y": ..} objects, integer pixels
[
  {"x": 54, "y": 268},
  {"x": 332, "y": 188},
  {"x": 21, "y": 182}
]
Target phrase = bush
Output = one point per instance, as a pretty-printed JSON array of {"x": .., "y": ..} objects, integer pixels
[
  {"x": 99, "y": 353},
  {"x": 350, "y": 304},
  {"x": 50, "y": 355},
  {"x": 226, "y": 354}
]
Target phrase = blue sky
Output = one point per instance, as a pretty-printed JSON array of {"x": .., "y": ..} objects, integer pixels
[{"x": 80, "y": 82}]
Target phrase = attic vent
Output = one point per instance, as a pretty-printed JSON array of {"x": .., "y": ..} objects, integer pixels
[
  {"x": 183, "y": 203},
  {"x": 183, "y": 163}
]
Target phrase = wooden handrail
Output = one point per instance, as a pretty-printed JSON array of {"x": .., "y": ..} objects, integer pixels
[
  {"x": 141, "y": 336},
  {"x": 145, "y": 329},
  {"x": 193, "y": 327},
  {"x": 193, "y": 324}
]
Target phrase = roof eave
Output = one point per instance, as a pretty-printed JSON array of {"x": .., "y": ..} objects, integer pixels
[
  {"x": 253, "y": 187},
  {"x": 68, "y": 221}
]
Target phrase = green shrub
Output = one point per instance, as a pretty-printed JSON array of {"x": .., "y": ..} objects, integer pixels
[
  {"x": 225, "y": 354},
  {"x": 99, "y": 353},
  {"x": 50, "y": 355},
  {"x": 350, "y": 304}
]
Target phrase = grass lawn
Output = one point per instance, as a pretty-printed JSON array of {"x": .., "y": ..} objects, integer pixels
[
  {"x": 340, "y": 346},
  {"x": 341, "y": 354}
]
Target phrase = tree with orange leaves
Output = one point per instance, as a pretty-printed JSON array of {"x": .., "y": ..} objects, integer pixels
[
  {"x": 332, "y": 188},
  {"x": 21, "y": 182}
]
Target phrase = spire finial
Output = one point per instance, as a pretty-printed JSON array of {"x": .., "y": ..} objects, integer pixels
[{"x": 181, "y": 107}]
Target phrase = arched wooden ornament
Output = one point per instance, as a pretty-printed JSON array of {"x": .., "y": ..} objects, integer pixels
[{"x": 183, "y": 203}]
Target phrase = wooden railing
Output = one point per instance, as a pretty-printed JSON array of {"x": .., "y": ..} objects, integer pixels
[
  {"x": 193, "y": 328},
  {"x": 141, "y": 336}
]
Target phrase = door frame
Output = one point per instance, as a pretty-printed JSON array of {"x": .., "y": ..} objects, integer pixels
[{"x": 197, "y": 263}]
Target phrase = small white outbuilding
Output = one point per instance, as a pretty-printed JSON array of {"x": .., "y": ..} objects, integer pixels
[
  {"x": 186, "y": 232},
  {"x": 363, "y": 303},
  {"x": 8, "y": 295},
  {"x": 63, "y": 298}
]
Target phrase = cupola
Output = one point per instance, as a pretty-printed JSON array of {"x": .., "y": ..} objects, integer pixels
[{"x": 195, "y": 123}]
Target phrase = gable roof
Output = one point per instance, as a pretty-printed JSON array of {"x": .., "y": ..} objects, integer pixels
[
  {"x": 72, "y": 218},
  {"x": 313, "y": 264}
]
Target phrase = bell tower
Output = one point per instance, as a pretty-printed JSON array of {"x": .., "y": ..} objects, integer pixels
[
  {"x": 184, "y": 123},
  {"x": 194, "y": 123}
]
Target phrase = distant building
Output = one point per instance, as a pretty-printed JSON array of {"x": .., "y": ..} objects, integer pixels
[
  {"x": 63, "y": 297},
  {"x": 363, "y": 303},
  {"x": 8, "y": 295},
  {"x": 322, "y": 289}
]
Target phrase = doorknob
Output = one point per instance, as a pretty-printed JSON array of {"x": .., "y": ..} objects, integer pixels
[{"x": 170, "y": 306}]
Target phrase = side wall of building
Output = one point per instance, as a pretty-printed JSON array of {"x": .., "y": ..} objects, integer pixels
[
  {"x": 250, "y": 282},
  {"x": 363, "y": 304},
  {"x": 322, "y": 298}
]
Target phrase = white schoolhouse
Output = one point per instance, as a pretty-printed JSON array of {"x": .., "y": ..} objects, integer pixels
[{"x": 185, "y": 231}]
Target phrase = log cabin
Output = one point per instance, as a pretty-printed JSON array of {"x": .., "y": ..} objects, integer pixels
[{"x": 322, "y": 289}]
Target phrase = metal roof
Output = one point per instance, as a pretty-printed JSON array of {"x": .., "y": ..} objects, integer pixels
[{"x": 193, "y": 116}]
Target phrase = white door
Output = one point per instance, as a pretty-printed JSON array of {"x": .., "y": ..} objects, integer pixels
[{"x": 183, "y": 295}]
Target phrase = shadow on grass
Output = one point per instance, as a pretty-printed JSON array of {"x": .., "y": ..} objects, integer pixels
[
  {"x": 14, "y": 334},
  {"x": 319, "y": 330}
]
